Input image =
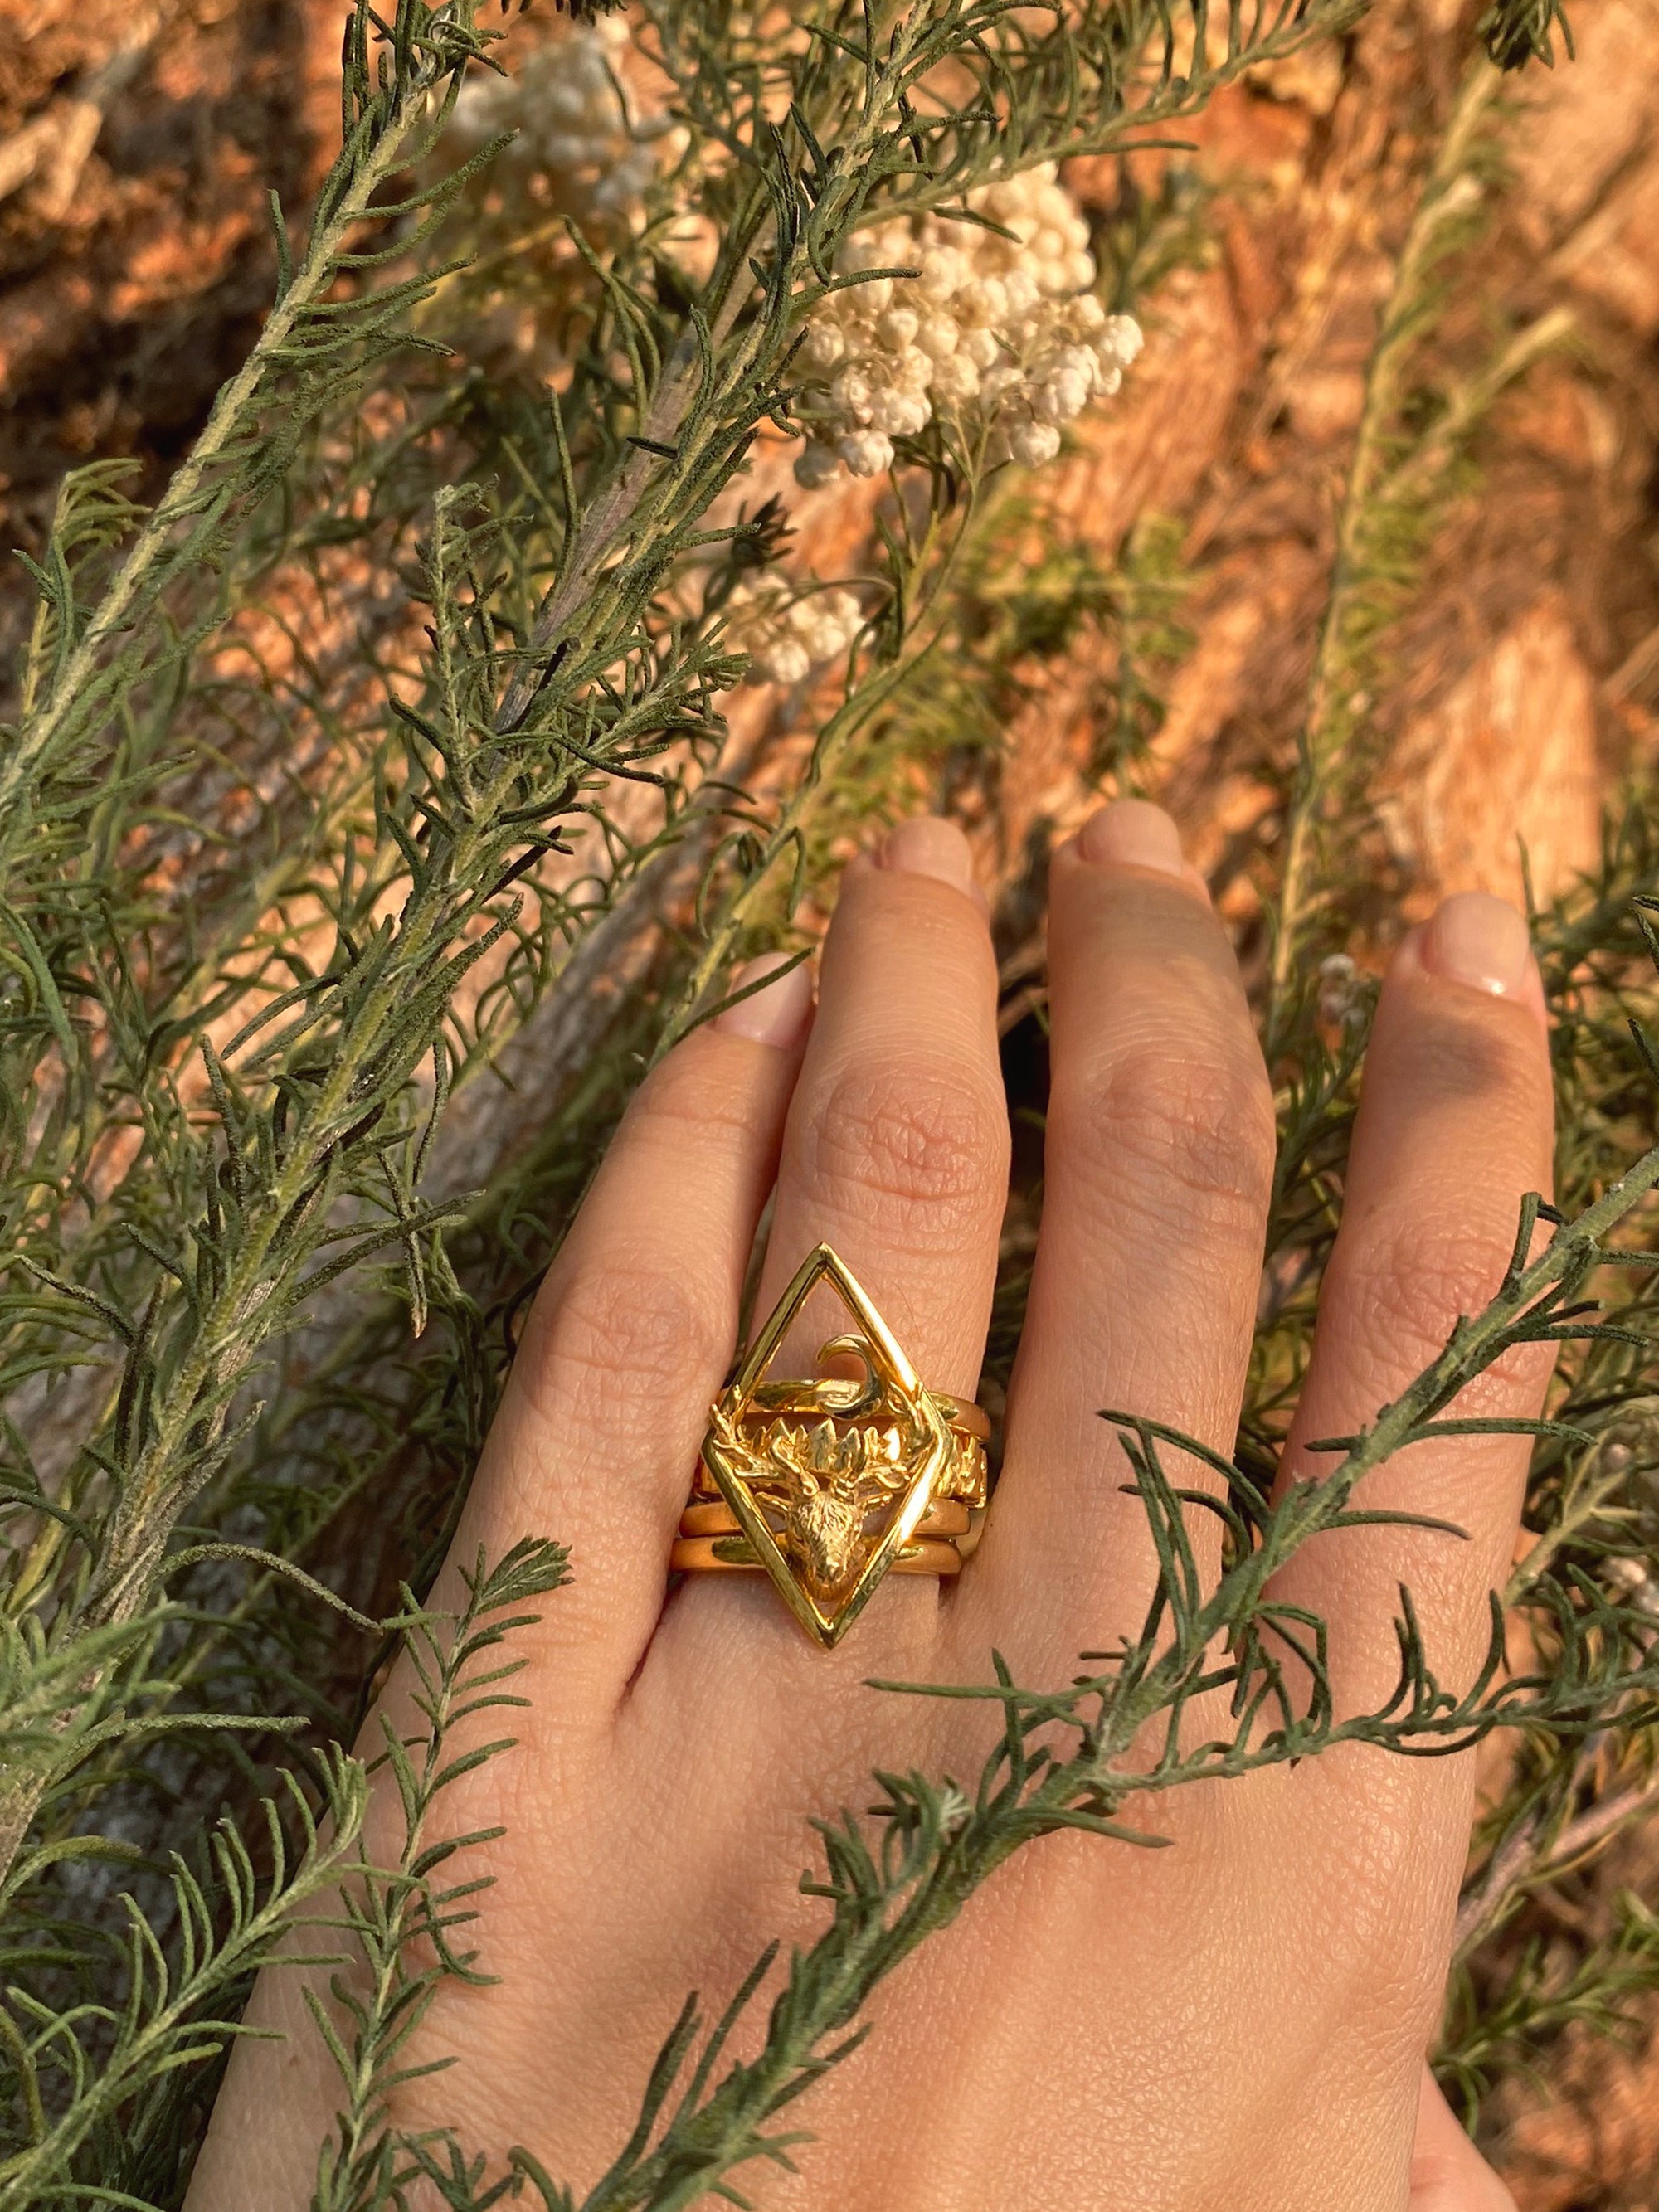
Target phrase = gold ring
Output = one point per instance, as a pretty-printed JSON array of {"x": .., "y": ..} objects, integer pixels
[
  {"x": 829, "y": 1485},
  {"x": 703, "y": 1555},
  {"x": 945, "y": 1517}
]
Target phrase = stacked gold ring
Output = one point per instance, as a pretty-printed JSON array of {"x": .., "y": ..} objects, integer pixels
[
  {"x": 829, "y": 1485},
  {"x": 710, "y": 1538}
]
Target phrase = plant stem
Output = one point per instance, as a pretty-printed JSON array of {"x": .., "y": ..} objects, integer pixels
[{"x": 1515, "y": 1864}]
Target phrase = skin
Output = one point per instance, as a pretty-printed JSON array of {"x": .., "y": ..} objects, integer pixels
[{"x": 1238, "y": 2021}]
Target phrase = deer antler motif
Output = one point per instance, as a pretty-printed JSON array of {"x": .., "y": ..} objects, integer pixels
[{"x": 823, "y": 1482}]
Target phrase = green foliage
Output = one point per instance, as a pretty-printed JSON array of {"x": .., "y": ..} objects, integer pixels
[
  {"x": 96, "y": 2081},
  {"x": 382, "y": 2002},
  {"x": 266, "y": 1244},
  {"x": 1516, "y": 32},
  {"x": 1502, "y": 2028}
]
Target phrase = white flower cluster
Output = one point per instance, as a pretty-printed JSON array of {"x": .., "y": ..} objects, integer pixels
[
  {"x": 786, "y": 636},
  {"x": 578, "y": 151},
  {"x": 1341, "y": 991},
  {"x": 1002, "y": 328}
]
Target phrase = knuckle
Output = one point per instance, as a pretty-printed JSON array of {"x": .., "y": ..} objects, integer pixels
[
  {"x": 1420, "y": 1276},
  {"x": 620, "y": 1338},
  {"x": 1190, "y": 1131},
  {"x": 933, "y": 1145}
]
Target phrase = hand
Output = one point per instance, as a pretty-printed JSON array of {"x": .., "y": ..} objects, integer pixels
[{"x": 1237, "y": 2021}]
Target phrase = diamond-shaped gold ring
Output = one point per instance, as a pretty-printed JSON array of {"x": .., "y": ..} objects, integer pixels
[{"x": 828, "y": 1484}]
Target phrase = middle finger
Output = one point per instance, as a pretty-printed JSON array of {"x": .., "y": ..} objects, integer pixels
[{"x": 1158, "y": 1162}]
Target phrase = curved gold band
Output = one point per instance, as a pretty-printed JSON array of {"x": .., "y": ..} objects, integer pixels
[
  {"x": 733, "y": 1555},
  {"x": 945, "y": 1517}
]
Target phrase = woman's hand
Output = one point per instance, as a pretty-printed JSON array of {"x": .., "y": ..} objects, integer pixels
[{"x": 1237, "y": 2021}]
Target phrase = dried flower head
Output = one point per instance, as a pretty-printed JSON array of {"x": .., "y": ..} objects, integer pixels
[
  {"x": 997, "y": 328},
  {"x": 589, "y": 143},
  {"x": 577, "y": 149},
  {"x": 1342, "y": 990},
  {"x": 788, "y": 632}
]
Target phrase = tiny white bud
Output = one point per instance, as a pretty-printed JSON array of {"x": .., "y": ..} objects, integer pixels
[
  {"x": 943, "y": 269},
  {"x": 853, "y": 392},
  {"x": 565, "y": 102},
  {"x": 912, "y": 370},
  {"x": 823, "y": 640},
  {"x": 866, "y": 452},
  {"x": 823, "y": 345},
  {"x": 900, "y": 414},
  {"x": 956, "y": 379},
  {"x": 1034, "y": 443},
  {"x": 898, "y": 327},
  {"x": 1125, "y": 334},
  {"x": 563, "y": 149},
  {"x": 953, "y": 1810},
  {"x": 938, "y": 337},
  {"x": 786, "y": 662},
  {"x": 1060, "y": 396},
  {"x": 983, "y": 301},
  {"x": 1022, "y": 289},
  {"x": 1339, "y": 980}
]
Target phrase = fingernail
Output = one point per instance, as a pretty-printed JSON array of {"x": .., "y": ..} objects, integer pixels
[
  {"x": 930, "y": 846},
  {"x": 1132, "y": 834},
  {"x": 1480, "y": 940},
  {"x": 776, "y": 1015}
]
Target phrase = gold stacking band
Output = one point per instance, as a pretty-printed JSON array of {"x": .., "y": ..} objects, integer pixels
[
  {"x": 829, "y": 1485},
  {"x": 736, "y": 1555},
  {"x": 945, "y": 1517}
]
